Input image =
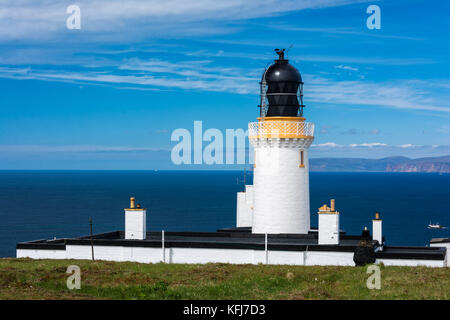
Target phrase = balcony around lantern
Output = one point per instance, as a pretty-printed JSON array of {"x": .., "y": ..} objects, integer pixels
[{"x": 281, "y": 129}]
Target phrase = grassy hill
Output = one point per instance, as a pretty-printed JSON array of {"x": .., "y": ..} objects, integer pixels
[{"x": 46, "y": 279}]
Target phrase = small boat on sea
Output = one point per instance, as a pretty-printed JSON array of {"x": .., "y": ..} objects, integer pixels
[{"x": 435, "y": 226}]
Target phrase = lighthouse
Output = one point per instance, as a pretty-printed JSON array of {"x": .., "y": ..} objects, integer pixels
[
  {"x": 280, "y": 138},
  {"x": 273, "y": 214}
]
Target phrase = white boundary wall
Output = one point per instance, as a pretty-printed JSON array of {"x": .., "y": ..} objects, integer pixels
[
  {"x": 443, "y": 245},
  {"x": 412, "y": 262},
  {"x": 40, "y": 254},
  {"x": 209, "y": 255}
]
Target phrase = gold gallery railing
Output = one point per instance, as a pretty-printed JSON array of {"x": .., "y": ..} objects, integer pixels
[{"x": 281, "y": 129}]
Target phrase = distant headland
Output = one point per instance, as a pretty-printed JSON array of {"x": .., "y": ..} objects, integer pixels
[{"x": 390, "y": 164}]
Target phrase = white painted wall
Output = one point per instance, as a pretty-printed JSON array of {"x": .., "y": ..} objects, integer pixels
[
  {"x": 190, "y": 255},
  {"x": 328, "y": 228},
  {"x": 411, "y": 262},
  {"x": 443, "y": 245},
  {"x": 41, "y": 254},
  {"x": 201, "y": 255},
  {"x": 206, "y": 255},
  {"x": 281, "y": 187},
  {"x": 116, "y": 253},
  {"x": 244, "y": 208},
  {"x": 328, "y": 258},
  {"x": 135, "y": 224},
  {"x": 377, "y": 230}
]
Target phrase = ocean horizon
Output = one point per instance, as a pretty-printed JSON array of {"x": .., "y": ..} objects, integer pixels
[{"x": 44, "y": 204}]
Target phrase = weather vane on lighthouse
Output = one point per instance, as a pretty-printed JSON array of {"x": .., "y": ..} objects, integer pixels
[{"x": 280, "y": 53}]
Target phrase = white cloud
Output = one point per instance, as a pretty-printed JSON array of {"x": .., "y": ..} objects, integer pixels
[
  {"x": 366, "y": 60},
  {"x": 430, "y": 95},
  {"x": 346, "y": 67},
  {"x": 326, "y": 145},
  {"x": 160, "y": 77},
  {"x": 74, "y": 148},
  {"x": 343, "y": 31},
  {"x": 377, "y": 150},
  {"x": 46, "y": 18},
  {"x": 368, "y": 145},
  {"x": 353, "y": 145},
  {"x": 399, "y": 94},
  {"x": 200, "y": 74},
  {"x": 360, "y": 145}
]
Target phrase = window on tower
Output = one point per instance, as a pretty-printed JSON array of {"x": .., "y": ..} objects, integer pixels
[{"x": 302, "y": 158}]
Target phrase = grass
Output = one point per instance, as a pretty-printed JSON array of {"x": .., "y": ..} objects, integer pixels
[{"x": 46, "y": 279}]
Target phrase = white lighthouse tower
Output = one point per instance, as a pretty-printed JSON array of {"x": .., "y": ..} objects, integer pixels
[{"x": 281, "y": 138}]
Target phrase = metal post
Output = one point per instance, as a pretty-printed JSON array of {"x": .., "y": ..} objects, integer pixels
[
  {"x": 305, "y": 255},
  {"x": 163, "y": 247},
  {"x": 265, "y": 248},
  {"x": 92, "y": 241}
]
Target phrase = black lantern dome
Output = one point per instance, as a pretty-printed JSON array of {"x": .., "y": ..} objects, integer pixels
[{"x": 281, "y": 82}]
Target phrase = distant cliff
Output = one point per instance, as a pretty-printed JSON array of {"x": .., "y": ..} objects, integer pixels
[{"x": 391, "y": 164}]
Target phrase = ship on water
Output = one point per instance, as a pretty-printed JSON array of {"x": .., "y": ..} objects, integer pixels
[{"x": 435, "y": 226}]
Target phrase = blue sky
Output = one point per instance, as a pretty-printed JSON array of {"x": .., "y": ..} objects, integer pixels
[{"x": 109, "y": 95}]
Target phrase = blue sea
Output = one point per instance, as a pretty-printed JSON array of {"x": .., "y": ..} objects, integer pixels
[{"x": 46, "y": 204}]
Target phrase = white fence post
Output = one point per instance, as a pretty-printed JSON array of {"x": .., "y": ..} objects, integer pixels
[
  {"x": 163, "y": 247},
  {"x": 265, "y": 247}
]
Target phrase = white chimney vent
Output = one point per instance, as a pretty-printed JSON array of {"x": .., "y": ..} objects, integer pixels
[
  {"x": 377, "y": 229},
  {"x": 135, "y": 222},
  {"x": 328, "y": 224}
]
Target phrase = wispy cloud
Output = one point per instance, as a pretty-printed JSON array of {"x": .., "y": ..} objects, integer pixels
[
  {"x": 377, "y": 150},
  {"x": 429, "y": 95},
  {"x": 326, "y": 145},
  {"x": 45, "y": 18},
  {"x": 157, "y": 76},
  {"x": 374, "y": 60},
  {"x": 346, "y": 67},
  {"x": 343, "y": 31},
  {"x": 353, "y": 145},
  {"x": 195, "y": 69},
  {"x": 368, "y": 145},
  {"x": 75, "y": 148}
]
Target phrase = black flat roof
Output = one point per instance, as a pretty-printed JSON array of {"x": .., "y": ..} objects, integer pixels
[
  {"x": 440, "y": 240},
  {"x": 418, "y": 253},
  {"x": 237, "y": 238}
]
